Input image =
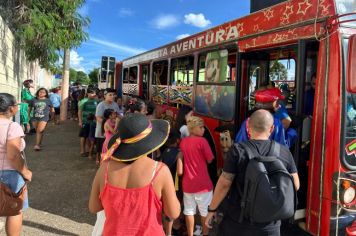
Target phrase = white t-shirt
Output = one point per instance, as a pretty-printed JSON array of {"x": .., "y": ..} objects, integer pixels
[
  {"x": 102, "y": 106},
  {"x": 184, "y": 132}
]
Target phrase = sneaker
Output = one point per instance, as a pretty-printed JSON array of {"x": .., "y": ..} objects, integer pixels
[{"x": 198, "y": 230}]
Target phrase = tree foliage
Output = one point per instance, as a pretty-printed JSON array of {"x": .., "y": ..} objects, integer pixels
[
  {"x": 44, "y": 27},
  {"x": 82, "y": 78},
  {"x": 93, "y": 76},
  {"x": 278, "y": 71},
  {"x": 72, "y": 75}
]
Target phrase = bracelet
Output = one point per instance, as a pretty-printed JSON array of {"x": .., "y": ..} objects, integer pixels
[{"x": 211, "y": 210}]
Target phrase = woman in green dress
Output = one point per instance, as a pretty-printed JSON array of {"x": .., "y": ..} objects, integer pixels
[{"x": 26, "y": 97}]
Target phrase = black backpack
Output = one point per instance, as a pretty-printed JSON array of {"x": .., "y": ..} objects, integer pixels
[{"x": 269, "y": 192}]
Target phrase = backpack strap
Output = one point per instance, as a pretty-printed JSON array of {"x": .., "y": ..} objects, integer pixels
[
  {"x": 275, "y": 149},
  {"x": 250, "y": 150}
]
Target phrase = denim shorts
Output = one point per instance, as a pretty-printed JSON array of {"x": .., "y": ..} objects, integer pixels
[{"x": 15, "y": 182}]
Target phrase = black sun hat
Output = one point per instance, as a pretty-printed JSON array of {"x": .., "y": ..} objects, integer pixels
[{"x": 137, "y": 136}]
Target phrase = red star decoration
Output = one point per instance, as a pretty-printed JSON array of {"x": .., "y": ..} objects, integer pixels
[
  {"x": 303, "y": 7},
  {"x": 268, "y": 13}
]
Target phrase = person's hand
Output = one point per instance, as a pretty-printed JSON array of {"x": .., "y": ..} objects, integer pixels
[
  {"x": 209, "y": 219},
  {"x": 27, "y": 175},
  {"x": 80, "y": 124}
]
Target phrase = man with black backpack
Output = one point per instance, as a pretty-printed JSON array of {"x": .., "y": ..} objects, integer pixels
[{"x": 258, "y": 183}]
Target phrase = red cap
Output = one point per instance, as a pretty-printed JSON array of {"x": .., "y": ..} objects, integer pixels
[{"x": 268, "y": 95}]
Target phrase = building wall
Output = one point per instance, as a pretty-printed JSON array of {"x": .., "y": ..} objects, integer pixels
[{"x": 14, "y": 68}]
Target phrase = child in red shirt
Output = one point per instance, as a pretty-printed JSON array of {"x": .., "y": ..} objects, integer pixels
[{"x": 192, "y": 164}]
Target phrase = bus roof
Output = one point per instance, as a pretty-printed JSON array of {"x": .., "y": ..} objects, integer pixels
[{"x": 285, "y": 21}]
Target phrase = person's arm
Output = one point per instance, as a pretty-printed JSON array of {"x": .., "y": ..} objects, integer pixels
[
  {"x": 80, "y": 118},
  {"x": 296, "y": 181},
  {"x": 13, "y": 155},
  {"x": 221, "y": 190},
  {"x": 117, "y": 121},
  {"x": 30, "y": 104},
  {"x": 180, "y": 164},
  {"x": 99, "y": 113},
  {"x": 208, "y": 154},
  {"x": 107, "y": 127},
  {"x": 286, "y": 122},
  {"x": 51, "y": 108},
  {"x": 94, "y": 200},
  {"x": 171, "y": 205}
]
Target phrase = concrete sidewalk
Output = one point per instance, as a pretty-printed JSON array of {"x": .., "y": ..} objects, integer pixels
[{"x": 60, "y": 187}]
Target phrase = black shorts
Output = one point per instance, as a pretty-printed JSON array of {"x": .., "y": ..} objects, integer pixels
[
  {"x": 57, "y": 110},
  {"x": 84, "y": 131},
  {"x": 99, "y": 144}
]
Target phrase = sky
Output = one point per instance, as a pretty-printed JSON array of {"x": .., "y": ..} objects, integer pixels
[{"x": 123, "y": 28}]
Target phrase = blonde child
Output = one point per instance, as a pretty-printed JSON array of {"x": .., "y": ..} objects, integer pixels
[{"x": 192, "y": 164}]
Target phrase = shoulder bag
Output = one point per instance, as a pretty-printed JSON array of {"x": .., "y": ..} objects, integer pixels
[{"x": 10, "y": 203}]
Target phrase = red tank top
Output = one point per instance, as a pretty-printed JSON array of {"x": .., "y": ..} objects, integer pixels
[{"x": 134, "y": 211}]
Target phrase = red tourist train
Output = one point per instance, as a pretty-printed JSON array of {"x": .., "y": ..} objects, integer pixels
[{"x": 217, "y": 70}]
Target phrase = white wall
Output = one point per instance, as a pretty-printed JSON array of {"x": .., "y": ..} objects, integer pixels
[{"x": 14, "y": 68}]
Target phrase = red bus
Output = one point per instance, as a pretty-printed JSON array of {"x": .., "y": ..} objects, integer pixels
[{"x": 216, "y": 71}]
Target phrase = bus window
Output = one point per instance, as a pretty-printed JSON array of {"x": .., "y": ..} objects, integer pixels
[
  {"x": 182, "y": 71},
  {"x": 133, "y": 75},
  {"x": 214, "y": 68},
  {"x": 145, "y": 76},
  {"x": 160, "y": 71},
  {"x": 215, "y": 94},
  {"x": 282, "y": 75},
  {"x": 257, "y": 77},
  {"x": 126, "y": 75}
]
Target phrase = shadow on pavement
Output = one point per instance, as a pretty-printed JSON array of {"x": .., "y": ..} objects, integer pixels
[
  {"x": 47, "y": 228},
  {"x": 61, "y": 178}
]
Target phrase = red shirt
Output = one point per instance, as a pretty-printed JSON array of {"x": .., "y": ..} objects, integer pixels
[
  {"x": 196, "y": 153},
  {"x": 132, "y": 211}
]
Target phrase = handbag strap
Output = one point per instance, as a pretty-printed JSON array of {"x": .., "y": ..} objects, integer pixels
[{"x": 3, "y": 160}]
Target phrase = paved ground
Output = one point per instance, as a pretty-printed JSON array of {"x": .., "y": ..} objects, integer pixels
[{"x": 60, "y": 187}]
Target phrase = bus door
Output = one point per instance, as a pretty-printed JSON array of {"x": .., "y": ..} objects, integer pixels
[
  {"x": 290, "y": 69},
  {"x": 254, "y": 76}
]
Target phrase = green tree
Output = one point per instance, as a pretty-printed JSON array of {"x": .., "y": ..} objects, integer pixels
[
  {"x": 43, "y": 28},
  {"x": 93, "y": 76},
  {"x": 82, "y": 78},
  {"x": 73, "y": 74},
  {"x": 278, "y": 71}
]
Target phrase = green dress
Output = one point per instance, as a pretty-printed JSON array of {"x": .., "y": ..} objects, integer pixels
[{"x": 26, "y": 97}]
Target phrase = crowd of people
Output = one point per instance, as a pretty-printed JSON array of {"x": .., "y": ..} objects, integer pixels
[{"x": 148, "y": 170}]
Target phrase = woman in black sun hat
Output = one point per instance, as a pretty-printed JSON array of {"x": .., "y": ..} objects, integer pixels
[{"x": 133, "y": 189}]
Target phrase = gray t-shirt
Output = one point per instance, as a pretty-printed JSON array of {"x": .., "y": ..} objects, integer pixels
[
  {"x": 102, "y": 106},
  {"x": 41, "y": 109}
]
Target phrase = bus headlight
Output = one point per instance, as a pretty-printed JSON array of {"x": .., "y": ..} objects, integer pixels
[{"x": 349, "y": 195}]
